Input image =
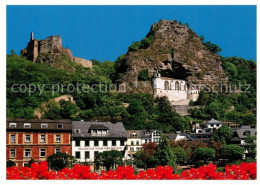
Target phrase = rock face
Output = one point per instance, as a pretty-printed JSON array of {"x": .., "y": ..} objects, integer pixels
[
  {"x": 40, "y": 50},
  {"x": 178, "y": 52}
]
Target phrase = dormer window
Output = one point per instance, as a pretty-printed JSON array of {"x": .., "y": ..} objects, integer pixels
[
  {"x": 147, "y": 133},
  {"x": 77, "y": 130},
  {"x": 44, "y": 125},
  {"x": 60, "y": 126},
  {"x": 12, "y": 125},
  {"x": 27, "y": 125},
  {"x": 134, "y": 135}
]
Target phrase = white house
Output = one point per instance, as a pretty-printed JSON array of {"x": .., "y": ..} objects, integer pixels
[
  {"x": 90, "y": 138},
  {"x": 134, "y": 142},
  {"x": 175, "y": 90},
  {"x": 151, "y": 135},
  {"x": 214, "y": 124}
]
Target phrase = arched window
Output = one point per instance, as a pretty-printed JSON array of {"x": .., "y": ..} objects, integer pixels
[
  {"x": 166, "y": 85},
  {"x": 177, "y": 85}
]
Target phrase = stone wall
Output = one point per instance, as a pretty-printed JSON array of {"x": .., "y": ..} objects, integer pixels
[{"x": 83, "y": 62}]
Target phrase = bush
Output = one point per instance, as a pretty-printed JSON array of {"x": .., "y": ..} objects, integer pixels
[
  {"x": 10, "y": 163},
  {"x": 60, "y": 161},
  {"x": 143, "y": 75},
  {"x": 205, "y": 154},
  {"x": 231, "y": 152}
]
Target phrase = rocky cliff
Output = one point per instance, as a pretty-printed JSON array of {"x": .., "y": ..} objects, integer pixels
[{"x": 176, "y": 50}]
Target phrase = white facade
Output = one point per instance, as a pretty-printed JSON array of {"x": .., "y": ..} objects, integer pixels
[
  {"x": 174, "y": 89},
  {"x": 85, "y": 149},
  {"x": 150, "y": 136}
]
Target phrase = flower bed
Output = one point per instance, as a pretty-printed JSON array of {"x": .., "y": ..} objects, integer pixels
[{"x": 41, "y": 171}]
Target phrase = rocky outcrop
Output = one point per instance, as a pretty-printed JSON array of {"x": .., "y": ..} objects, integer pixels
[
  {"x": 83, "y": 62},
  {"x": 178, "y": 52},
  {"x": 46, "y": 49}
]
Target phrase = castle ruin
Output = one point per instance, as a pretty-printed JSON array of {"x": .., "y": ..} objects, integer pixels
[{"x": 50, "y": 45}]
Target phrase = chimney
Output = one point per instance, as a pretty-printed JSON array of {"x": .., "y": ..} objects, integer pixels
[{"x": 31, "y": 36}]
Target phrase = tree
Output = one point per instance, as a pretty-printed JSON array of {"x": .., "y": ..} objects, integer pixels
[
  {"x": 109, "y": 159},
  {"x": 252, "y": 145},
  {"x": 165, "y": 154},
  {"x": 181, "y": 155},
  {"x": 146, "y": 157},
  {"x": 231, "y": 152},
  {"x": 60, "y": 161},
  {"x": 212, "y": 47},
  {"x": 10, "y": 163},
  {"x": 205, "y": 154},
  {"x": 143, "y": 75},
  {"x": 223, "y": 134}
]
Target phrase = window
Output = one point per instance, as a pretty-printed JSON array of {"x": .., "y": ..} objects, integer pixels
[
  {"x": 147, "y": 133},
  {"x": 27, "y": 153},
  {"x": 58, "y": 139},
  {"x": 12, "y": 153},
  {"x": 57, "y": 150},
  {"x": 132, "y": 149},
  {"x": 60, "y": 126},
  {"x": 177, "y": 85},
  {"x": 77, "y": 143},
  {"x": 12, "y": 125},
  {"x": 12, "y": 138},
  {"x": 212, "y": 125},
  {"x": 134, "y": 135},
  {"x": 44, "y": 125},
  {"x": 43, "y": 138},
  {"x": 95, "y": 153},
  {"x": 217, "y": 125},
  {"x": 105, "y": 143},
  {"x": 166, "y": 85},
  {"x": 27, "y": 138},
  {"x": 27, "y": 125},
  {"x": 113, "y": 142},
  {"x": 132, "y": 142},
  {"x": 42, "y": 152},
  {"x": 77, "y": 154},
  {"x": 77, "y": 130},
  {"x": 122, "y": 142},
  {"x": 137, "y": 142},
  {"x": 86, "y": 142},
  {"x": 95, "y": 142},
  {"x": 87, "y": 155}
]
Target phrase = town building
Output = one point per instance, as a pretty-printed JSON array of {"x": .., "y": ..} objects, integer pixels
[
  {"x": 240, "y": 135},
  {"x": 203, "y": 137},
  {"x": 91, "y": 138},
  {"x": 211, "y": 126},
  {"x": 134, "y": 142},
  {"x": 36, "y": 139},
  {"x": 150, "y": 135},
  {"x": 178, "y": 136}
]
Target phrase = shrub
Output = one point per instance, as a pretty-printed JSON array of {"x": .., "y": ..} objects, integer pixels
[
  {"x": 205, "y": 154},
  {"x": 143, "y": 75},
  {"x": 10, "y": 163},
  {"x": 60, "y": 161},
  {"x": 231, "y": 152}
]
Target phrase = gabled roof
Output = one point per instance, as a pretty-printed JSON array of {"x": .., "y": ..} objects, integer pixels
[
  {"x": 213, "y": 121},
  {"x": 130, "y": 132},
  {"x": 241, "y": 133},
  {"x": 97, "y": 127},
  {"x": 115, "y": 130}
]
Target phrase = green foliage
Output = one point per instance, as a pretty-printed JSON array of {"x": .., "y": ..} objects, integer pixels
[
  {"x": 223, "y": 134},
  {"x": 212, "y": 47},
  {"x": 143, "y": 44},
  {"x": 181, "y": 155},
  {"x": 143, "y": 75},
  {"x": 204, "y": 153},
  {"x": 109, "y": 159},
  {"x": 30, "y": 162},
  {"x": 231, "y": 152},
  {"x": 165, "y": 153},
  {"x": 10, "y": 163},
  {"x": 60, "y": 161}
]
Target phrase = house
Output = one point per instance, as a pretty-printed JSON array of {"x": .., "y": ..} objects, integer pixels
[
  {"x": 203, "y": 137},
  {"x": 150, "y": 135},
  {"x": 134, "y": 142},
  {"x": 214, "y": 124},
  {"x": 91, "y": 138},
  {"x": 210, "y": 126},
  {"x": 178, "y": 136},
  {"x": 36, "y": 139}
]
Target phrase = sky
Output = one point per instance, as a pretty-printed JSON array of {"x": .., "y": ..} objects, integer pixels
[{"x": 105, "y": 32}]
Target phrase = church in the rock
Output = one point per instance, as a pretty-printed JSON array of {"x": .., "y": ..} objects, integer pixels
[{"x": 175, "y": 90}]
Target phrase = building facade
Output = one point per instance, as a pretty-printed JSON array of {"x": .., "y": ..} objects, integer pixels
[
  {"x": 134, "y": 142},
  {"x": 176, "y": 90},
  {"x": 91, "y": 138},
  {"x": 36, "y": 139}
]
